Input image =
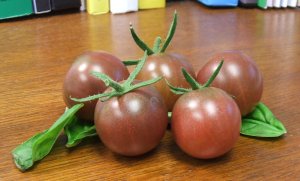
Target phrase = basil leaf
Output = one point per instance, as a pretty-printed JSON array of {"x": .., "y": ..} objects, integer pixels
[
  {"x": 40, "y": 145},
  {"x": 77, "y": 130},
  {"x": 262, "y": 123}
]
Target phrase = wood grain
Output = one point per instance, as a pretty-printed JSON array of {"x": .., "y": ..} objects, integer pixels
[{"x": 36, "y": 53}]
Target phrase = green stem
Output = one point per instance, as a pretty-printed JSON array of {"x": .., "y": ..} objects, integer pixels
[
  {"x": 145, "y": 83},
  {"x": 113, "y": 94},
  {"x": 90, "y": 98},
  {"x": 120, "y": 89},
  {"x": 108, "y": 81},
  {"x": 138, "y": 68}
]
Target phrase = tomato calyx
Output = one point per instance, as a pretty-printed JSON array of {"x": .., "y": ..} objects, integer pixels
[
  {"x": 157, "y": 48},
  {"x": 194, "y": 84},
  {"x": 119, "y": 89}
]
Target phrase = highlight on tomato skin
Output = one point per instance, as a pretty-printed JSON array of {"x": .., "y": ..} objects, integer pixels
[
  {"x": 206, "y": 123},
  {"x": 79, "y": 82},
  {"x": 134, "y": 123},
  {"x": 239, "y": 77},
  {"x": 169, "y": 66}
]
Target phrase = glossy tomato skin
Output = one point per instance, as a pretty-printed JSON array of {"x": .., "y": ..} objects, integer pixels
[
  {"x": 134, "y": 123},
  {"x": 79, "y": 83},
  {"x": 206, "y": 123},
  {"x": 239, "y": 77},
  {"x": 169, "y": 66}
]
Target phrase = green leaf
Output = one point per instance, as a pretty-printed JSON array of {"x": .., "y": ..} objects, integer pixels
[
  {"x": 262, "y": 123},
  {"x": 139, "y": 42},
  {"x": 170, "y": 33},
  {"x": 22, "y": 155},
  {"x": 40, "y": 145},
  {"x": 77, "y": 130}
]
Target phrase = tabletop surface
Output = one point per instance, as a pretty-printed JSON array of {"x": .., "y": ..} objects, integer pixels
[{"x": 36, "y": 53}]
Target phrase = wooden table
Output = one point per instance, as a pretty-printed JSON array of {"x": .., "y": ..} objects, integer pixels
[{"x": 36, "y": 53}]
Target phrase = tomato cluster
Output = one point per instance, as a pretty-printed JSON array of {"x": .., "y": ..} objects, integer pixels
[{"x": 205, "y": 120}]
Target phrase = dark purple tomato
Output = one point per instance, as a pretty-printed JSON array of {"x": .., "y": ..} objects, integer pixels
[
  {"x": 239, "y": 77},
  {"x": 206, "y": 123},
  {"x": 134, "y": 123},
  {"x": 169, "y": 66},
  {"x": 79, "y": 83}
]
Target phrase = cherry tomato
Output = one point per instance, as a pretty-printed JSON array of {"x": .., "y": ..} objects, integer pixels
[
  {"x": 239, "y": 77},
  {"x": 79, "y": 83},
  {"x": 169, "y": 66},
  {"x": 206, "y": 123},
  {"x": 133, "y": 123}
]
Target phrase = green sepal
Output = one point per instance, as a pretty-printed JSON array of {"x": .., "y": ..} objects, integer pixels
[
  {"x": 170, "y": 33},
  {"x": 193, "y": 83},
  {"x": 139, "y": 42},
  {"x": 130, "y": 62},
  {"x": 156, "y": 45},
  {"x": 214, "y": 75},
  {"x": 177, "y": 90}
]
